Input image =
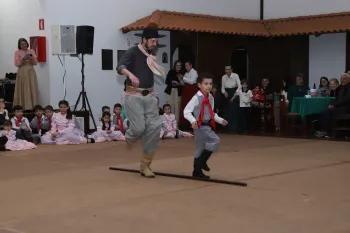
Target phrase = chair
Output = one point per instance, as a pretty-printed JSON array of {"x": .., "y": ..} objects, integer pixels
[
  {"x": 341, "y": 124},
  {"x": 288, "y": 119}
]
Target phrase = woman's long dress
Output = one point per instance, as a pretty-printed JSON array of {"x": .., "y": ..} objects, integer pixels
[{"x": 26, "y": 89}]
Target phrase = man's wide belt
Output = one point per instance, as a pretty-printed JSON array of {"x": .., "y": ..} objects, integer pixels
[{"x": 141, "y": 91}]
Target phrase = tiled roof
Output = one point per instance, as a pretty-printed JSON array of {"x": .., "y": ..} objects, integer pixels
[
  {"x": 166, "y": 20},
  {"x": 317, "y": 24}
]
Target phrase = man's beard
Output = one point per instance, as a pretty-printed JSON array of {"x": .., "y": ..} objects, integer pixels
[{"x": 152, "y": 51}]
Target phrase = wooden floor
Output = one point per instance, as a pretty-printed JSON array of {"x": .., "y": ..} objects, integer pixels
[{"x": 294, "y": 186}]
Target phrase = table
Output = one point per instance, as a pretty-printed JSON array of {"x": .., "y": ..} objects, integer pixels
[{"x": 307, "y": 106}]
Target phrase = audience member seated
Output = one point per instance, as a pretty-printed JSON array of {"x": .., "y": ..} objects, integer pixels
[
  {"x": 339, "y": 107},
  {"x": 13, "y": 143},
  {"x": 48, "y": 115},
  {"x": 333, "y": 84},
  {"x": 39, "y": 124},
  {"x": 63, "y": 128},
  {"x": 117, "y": 118},
  {"x": 105, "y": 130},
  {"x": 4, "y": 115},
  {"x": 21, "y": 126},
  {"x": 323, "y": 88},
  {"x": 169, "y": 125},
  {"x": 297, "y": 90},
  {"x": 258, "y": 96}
]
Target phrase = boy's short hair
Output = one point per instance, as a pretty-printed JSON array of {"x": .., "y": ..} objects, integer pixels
[
  {"x": 37, "y": 108},
  {"x": 17, "y": 107},
  {"x": 117, "y": 106},
  {"x": 203, "y": 76},
  {"x": 49, "y": 107}
]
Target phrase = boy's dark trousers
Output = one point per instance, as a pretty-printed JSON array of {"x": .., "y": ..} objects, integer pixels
[
  {"x": 26, "y": 135},
  {"x": 245, "y": 118},
  {"x": 207, "y": 142}
]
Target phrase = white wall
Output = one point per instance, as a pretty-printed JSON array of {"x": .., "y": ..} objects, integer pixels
[
  {"x": 327, "y": 56},
  {"x": 291, "y": 8},
  {"x": 20, "y": 19},
  {"x": 105, "y": 87}
]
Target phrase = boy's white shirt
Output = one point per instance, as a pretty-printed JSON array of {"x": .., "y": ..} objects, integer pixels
[
  {"x": 193, "y": 103},
  {"x": 243, "y": 101},
  {"x": 25, "y": 119}
]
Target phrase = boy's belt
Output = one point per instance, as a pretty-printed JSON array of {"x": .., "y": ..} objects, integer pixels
[
  {"x": 206, "y": 123},
  {"x": 141, "y": 91}
]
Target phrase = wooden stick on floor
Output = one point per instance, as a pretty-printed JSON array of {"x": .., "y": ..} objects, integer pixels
[{"x": 182, "y": 177}]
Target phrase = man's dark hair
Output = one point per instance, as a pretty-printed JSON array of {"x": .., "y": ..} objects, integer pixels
[{"x": 203, "y": 76}]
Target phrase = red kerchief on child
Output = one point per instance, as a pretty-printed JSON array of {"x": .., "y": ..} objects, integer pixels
[
  {"x": 18, "y": 121},
  {"x": 201, "y": 115},
  {"x": 120, "y": 123}
]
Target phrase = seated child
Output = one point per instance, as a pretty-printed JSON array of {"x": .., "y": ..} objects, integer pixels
[
  {"x": 117, "y": 119},
  {"x": 22, "y": 127},
  {"x": 4, "y": 115},
  {"x": 105, "y": 130},
  {"x": 106, "y": 109},
  {"x": 13, "y": 143},
  {"x": 63, "y": 129},
  {"x": 48, "y": 116},
  {"x": 39, "y": 123},
  {"x": 258, "y": 96},
  {"x": 169, "y": 125}
]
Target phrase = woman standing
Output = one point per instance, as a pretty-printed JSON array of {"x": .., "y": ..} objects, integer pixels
[
  {"x": 190, "y": 89},
  {"x": 26, "y": 89},
  {"x": 174, "y": 88}
]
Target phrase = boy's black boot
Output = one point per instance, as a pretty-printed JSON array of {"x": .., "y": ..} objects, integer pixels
[
  {"x": 206, "y": 155},
  {"x": 197, "y": 169}
]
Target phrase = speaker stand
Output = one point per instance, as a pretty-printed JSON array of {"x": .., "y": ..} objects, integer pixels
[{"x": 83, "y": 94}]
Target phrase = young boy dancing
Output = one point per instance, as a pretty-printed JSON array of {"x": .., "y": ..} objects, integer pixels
[{"x": 200, "y": 113}]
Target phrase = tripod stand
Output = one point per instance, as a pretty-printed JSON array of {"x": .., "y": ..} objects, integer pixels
[{"x": 83, "y": 94}]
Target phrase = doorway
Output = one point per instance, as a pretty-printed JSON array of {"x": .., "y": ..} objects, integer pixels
[{"x": 240, "y": 63}]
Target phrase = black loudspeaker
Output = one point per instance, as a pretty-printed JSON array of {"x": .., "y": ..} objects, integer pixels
[{"x": 85, "y": 39}]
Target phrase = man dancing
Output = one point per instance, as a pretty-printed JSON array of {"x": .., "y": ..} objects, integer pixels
[{"x": 139, "y": 65}]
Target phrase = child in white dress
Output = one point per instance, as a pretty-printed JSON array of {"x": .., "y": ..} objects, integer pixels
[
  {"x": 169, "y": 125},
  {"x": 105, "y": 130},
  {"x": 13, "y": 143}
]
